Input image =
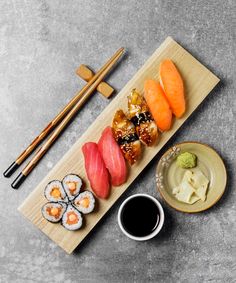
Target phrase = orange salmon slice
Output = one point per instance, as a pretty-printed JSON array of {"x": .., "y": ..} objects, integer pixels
[
  {"x": 172, "y": 84},
  {"x": 158, "y": 104}
]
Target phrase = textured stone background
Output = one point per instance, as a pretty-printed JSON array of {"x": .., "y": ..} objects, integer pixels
[{"x": 41, "y": 44}]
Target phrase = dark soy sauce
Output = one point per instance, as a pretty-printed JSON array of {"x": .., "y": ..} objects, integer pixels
[{"x": 140, "y": 216}]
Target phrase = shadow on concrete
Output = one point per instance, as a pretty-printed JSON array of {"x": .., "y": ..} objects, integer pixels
[
  {"x": 228, "y": 189},
  {"x": 167, "y": 229}
]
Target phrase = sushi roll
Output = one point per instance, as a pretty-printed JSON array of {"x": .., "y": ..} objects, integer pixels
[
  {"x": 85, "y": 202},
  {"x": 126, "y": 136},
  {"x": 66, "y": 202},
  {"x": 54, "y": 192},
  {"x": 53, "y": 211},
  {"x": 72, "y": 184},
  {"x": 139, "y": 114},
  {"x": 72, "y": 218}
]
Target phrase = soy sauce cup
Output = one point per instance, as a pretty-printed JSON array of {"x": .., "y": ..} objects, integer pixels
[{"x": 141, "y": 217}]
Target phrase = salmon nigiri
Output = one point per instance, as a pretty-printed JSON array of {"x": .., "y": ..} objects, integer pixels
[
  {"x": 96, "y": 170},
  {"x": 113, "y": 157},
  {"x": 172, "y": 84},
  {"x": 158, "y": 104}
]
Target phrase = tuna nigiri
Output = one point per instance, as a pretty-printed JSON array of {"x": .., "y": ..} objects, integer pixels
[
  {"x": 125, "y": 134},
  {"x": 141, "y": 117},
  {"x": 158, "y": 104},
  {"x": 113, "y": 157},
  {"x": 96, "y": 170},
  {"x": 173, "y": 87}
]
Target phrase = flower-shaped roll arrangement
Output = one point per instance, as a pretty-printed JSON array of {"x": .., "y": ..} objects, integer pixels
[{"x": 66, "y": 203}]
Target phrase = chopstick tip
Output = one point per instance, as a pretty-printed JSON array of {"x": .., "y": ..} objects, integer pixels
[
  {"x": 121, "y": 50},
  {"x": 11, "y": 169},
  {"x": 18, "y": 181}
]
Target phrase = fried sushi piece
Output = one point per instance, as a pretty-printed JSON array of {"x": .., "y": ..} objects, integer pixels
[
  {"x": 54, "y": 192},
  {"x": 126, "y": 136},
  {"x": 53, "y": 211},
  {"x": 85, "y": 202},
  {"x": 72, "y": 184},
  {"x": 139, "y": 114},
  {"x": 72, "y": 218}
]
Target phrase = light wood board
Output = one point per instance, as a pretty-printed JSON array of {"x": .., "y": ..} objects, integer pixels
[{"x": 199, "y": 81}]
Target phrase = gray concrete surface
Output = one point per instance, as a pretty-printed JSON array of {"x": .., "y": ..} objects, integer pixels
[{"x": 41, "y": 45}]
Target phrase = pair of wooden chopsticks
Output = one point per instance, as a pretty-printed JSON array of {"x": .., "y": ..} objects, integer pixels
[{"x": 64, "y": 118}]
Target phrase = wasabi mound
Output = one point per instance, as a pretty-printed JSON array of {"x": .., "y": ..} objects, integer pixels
[{"x": 187, "y": 160}]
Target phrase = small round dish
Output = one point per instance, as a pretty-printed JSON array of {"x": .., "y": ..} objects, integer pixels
[
  {"x": 158, "y": 227},
  {"x": 169, "y": 175}
]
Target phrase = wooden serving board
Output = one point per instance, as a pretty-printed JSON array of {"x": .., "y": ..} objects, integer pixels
[{"x": 199, "y": 81}]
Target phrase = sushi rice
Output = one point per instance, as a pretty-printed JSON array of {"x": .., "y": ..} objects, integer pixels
[
  {"x": 66, "y": 203},
  {"x": 84, "y": 202},
  {"x": 72, "y": 185},
  {"x": 72, "y": 218},
  {"x": 53, "y": 211},
  {"x": 54, "y": 192}
]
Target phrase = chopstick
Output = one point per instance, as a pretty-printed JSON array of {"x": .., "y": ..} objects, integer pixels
[
  {"x": 43, "y": 149},
  {"x": 22, "y": 157}
]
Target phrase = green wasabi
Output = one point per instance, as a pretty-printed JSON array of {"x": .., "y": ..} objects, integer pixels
[{"x": 187, "y": 160}]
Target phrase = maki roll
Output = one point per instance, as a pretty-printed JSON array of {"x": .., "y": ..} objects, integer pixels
[
  {"x": 72, "y": 184},
  {"x": 85, "y": 202},
  {"x": 66, "y": 202},
  {"x": 72, "y": 218},
  {"x": 54, "y": 192},
  {"x": 53, "y": 211}
]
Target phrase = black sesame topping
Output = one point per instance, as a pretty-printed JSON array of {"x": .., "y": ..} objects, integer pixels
[
  {"x": 141, "y": 118},
  {"x": 128, "y": 139}
]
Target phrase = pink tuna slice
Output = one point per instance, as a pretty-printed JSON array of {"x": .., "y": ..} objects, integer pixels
[
  {"x": 96, "y": 170},
  {"x": 113, "y": 157}
]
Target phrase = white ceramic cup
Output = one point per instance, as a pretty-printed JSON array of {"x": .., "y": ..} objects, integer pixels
[{"x": 157, "y": 229}]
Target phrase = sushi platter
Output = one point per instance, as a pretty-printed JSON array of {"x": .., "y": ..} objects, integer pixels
[{"x": 198, "y": 82}]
